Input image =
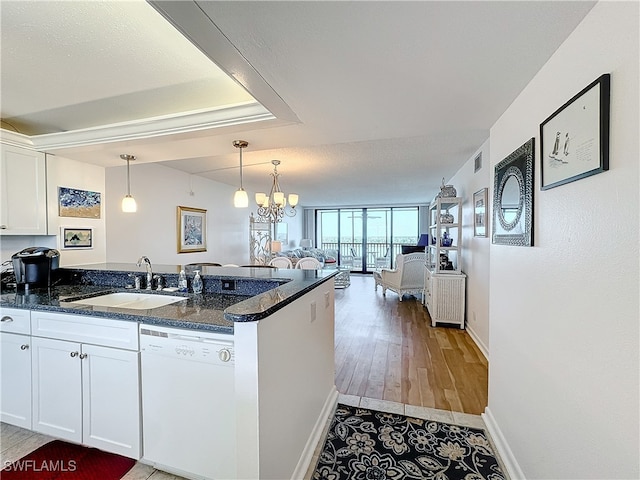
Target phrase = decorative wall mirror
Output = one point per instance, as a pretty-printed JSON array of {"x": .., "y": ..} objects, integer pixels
[{"x": 513, "y": 198}]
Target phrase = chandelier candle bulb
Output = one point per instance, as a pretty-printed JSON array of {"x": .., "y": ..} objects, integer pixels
[{"x": 261, "y": 198}]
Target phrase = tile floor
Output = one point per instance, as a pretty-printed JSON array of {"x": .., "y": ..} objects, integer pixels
[{"x": 16, "y": 442}]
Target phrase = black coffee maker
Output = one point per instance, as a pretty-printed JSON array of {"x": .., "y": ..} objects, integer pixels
[{"x": 35, "y": 267}]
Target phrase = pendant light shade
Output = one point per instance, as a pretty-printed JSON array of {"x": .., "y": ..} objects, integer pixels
[
  {"x": 240, "y": 199},
  {"x": 128, "y": 202}
]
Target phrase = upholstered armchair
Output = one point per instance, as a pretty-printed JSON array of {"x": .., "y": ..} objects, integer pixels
[{"x": 406, "y": 278}]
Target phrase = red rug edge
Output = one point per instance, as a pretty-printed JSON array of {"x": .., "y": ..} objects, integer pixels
[{"x": 61, "y": 460}]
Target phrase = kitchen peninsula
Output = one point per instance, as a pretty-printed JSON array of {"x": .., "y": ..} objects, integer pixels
[{"x": 280, "y": 323}]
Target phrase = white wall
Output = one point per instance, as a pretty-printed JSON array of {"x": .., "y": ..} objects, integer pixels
[
  {"x": 151, "y": 231},
  {"x": 62, "y": 172},
  {"x": 564, "y": 370},
  {"x": 475, "y": 250}
]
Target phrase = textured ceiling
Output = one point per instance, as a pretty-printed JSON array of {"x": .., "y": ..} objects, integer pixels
[{"x": 374, "y": 102}]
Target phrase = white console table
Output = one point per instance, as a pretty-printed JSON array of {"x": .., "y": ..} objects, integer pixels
[{"x": 444, "y": 297}]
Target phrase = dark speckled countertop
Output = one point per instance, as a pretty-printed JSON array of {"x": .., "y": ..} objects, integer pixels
[{"x": 257, "y": 293}]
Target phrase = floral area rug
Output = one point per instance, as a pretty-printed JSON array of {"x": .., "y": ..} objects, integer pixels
[{"x": 370, "y": 445}]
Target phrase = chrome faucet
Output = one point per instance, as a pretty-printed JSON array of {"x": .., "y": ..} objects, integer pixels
[{"x": 146, "y": 260}]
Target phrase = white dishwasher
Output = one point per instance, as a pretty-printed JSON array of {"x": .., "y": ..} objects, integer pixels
[{"x": 188, "y": 402}]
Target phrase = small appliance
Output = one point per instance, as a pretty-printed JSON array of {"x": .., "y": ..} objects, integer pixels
[{"x": 35, "y": 267}]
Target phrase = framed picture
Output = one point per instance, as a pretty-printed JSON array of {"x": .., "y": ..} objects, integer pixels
[
  {"x": 480, "y": 213},
  {"x": 477, "y": 163},
  {"x": 574, "y": 140},
  {"x": 513, "y": 198},
  {"x": 76, "y": 238},
  {"x": 192, "y": 230},
  {"x": 73, "y": 202}
]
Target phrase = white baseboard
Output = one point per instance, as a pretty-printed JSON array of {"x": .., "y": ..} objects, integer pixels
[
  {"x": 504, "y": 451},
  {"x": 483, "y": 348},
  {"x": 310, "y": 447}
]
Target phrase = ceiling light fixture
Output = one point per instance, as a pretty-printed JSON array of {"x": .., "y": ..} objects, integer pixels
[
  {"x": 128, "y": 202},
  {"x": 273, "y": 207},
  {"x": 240, "y": 199}
]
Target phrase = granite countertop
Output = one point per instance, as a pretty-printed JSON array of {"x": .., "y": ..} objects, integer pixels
[{"x": 259, "y": 292}]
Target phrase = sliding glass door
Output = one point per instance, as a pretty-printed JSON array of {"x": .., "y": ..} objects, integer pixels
[{"x": 366, "y": 238}]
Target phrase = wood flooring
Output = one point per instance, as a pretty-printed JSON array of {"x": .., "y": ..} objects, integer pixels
[{"x": 387, "y": 350}]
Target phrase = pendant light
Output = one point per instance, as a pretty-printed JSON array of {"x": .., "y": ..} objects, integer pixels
[
  {"x": 128, "y": 202},
  {"x": 240, "y": 199}
]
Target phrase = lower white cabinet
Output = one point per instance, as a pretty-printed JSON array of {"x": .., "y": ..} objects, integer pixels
[
  {"x": 84, "y": 392},
  {"x": 444, "y": 297},
  {"x": 15, "y": 367},
  {"x": 15, "y": 379}
]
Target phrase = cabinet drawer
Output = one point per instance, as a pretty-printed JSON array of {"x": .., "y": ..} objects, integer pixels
[
  {"x": 79, "y": 328},
  {"x": 15, "y": 320}
]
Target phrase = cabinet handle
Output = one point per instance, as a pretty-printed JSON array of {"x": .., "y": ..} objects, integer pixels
[
  {"x": 74, "y": 354},
  {"x": 24, "y": 347},
  {"x": 3, "y": 227},
  {"x": 6, "y": 318},
  {"x": 83, "y": 356}
]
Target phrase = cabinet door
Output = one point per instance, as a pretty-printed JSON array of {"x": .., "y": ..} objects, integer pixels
[
  {"x": 15, "y": 379},
  {"x": 23, "y": 202},
  {"x": 57, "y": 388},
  {"x": 111, "y": 405}
]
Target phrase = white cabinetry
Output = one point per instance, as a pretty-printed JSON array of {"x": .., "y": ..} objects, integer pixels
[
  {"x": 86, "y": 381},
  {"x": 23, "y": 201},
  {"x": 444, "y": 282},
  {"x": 444, "y": 297},
  {"x": 15, "y": 367}
]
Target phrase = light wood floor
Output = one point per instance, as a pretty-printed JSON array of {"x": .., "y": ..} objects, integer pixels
[{"x": 387, "y": 350}]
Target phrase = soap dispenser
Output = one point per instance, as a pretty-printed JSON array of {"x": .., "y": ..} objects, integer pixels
[
  {"x": 197, "y": 283},
  {"x": 182, "y": 282}
]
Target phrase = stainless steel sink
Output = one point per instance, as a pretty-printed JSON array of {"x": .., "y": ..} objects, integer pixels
[{"x": 136, "y": 301}]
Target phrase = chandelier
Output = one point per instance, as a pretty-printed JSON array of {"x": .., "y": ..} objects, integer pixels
[{"x": 273, "y": 207}]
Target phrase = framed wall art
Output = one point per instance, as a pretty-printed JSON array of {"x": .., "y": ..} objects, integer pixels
[
  {"x": 513, "y": 198},
  {"x": 574, "y": 140},
  {"x": 480, "y": 213},
  {"x": 73, "y": 202},
  {"x": 76, "y": 238},
  {"x": 192, "y": 230},
  {"x": 477, "y": 163}
]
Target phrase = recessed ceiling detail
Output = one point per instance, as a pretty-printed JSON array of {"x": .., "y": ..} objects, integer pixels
[{"x": 113, "y": 71}]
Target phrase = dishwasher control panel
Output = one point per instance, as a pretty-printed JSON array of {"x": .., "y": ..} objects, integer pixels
[{"x": 187, "y": 344}]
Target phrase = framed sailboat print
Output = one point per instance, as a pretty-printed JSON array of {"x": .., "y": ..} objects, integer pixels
[{"x": 574, "y": 140}]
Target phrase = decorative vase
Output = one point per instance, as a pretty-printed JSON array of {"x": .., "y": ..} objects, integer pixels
[
  {"x": 447, "y": 191},
  {"x": 446, "y": 240},
  {"x": 446, "y": 218}
]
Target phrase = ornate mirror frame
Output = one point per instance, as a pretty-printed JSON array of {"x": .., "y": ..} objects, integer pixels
[{"x": 513, "y": 218}]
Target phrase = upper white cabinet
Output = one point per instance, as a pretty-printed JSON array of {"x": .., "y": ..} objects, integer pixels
[{"x": 23, "y": 201}]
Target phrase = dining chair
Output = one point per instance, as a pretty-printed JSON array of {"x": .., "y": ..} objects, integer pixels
[
  {"x": 309, "y": 263},
  {"x": 281, "y": 262}
]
